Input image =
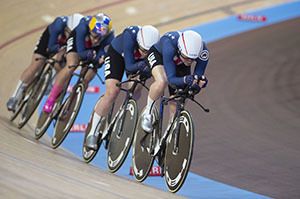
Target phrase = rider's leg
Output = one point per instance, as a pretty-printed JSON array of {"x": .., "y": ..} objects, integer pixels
[
  {"x": 61, "y": 80},
  {"x": 89, "y": 77},
  {"x": 172, "y": 109},
  {"x": 25, "y": 79},
  {"x": 57, "y": 67},
  {"x": 101, "y": 110},
  {"x": 137, "y": 90},
  {"x": 156, "y": 90}
]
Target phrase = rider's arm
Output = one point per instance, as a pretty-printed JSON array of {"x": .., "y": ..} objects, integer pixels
[
  {"x": 104, "y": 45},
  {"x": 55, "y": 29},
  {"x": 128, "y": 49},
  {"x": 81, "y": 32},
  {"x": 202, "y": 62},
  {"x": 168, "y": 52}
]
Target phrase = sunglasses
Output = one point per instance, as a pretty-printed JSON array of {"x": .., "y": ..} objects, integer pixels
[
  {"x": 143, "y": 50},
  {"x": 186, "y": 58},
  {"x": 68, "y": 30},
  {"x": 95, "y": 36}
]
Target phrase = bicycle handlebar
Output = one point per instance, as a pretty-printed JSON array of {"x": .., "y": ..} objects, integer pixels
[
  {"x": 141, "y": 81},
  {"x": 187, "y": 93},
  {"x": 49, "y": 60}
]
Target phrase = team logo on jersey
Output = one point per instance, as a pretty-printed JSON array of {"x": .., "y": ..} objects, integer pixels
[{"x": 204, "y": 55}]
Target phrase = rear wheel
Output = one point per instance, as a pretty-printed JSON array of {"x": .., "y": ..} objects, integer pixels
[
  {"x": 143, "y": 144},
  {"x": 178, "y": 159},
  {"x": 87, "y": 153},
  {"x": 122, "y": 136},
  {"x": 67, "y": 115},
  {"x": 35, "y": 98}
]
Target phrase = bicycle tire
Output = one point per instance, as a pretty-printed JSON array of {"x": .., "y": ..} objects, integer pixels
[
  {"x": 45, "y": 119},
  {"x": 121, "y": 139},
  {"x": 35, "y": 98},
  {"x": 177, "y": 163},
  {"x": 89, "y": 154},
  {"x": 142, "y": 160},
  {"x": 66, "y": 118},
  {"x": 22, "y": 101}
]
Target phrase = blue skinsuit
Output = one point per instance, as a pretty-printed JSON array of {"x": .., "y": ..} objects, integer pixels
[
  {"x": 82, "y": 31},
  {"x": 126, "y": 45},
  {"x": 167, "y": 47}
]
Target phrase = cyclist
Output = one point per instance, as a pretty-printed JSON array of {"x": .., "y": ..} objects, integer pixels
[
  {"x": 89, "y": 41},
  {"x": 170, "y": 61},
  {"x": 51, "y": 42},
  {"x": 127, "y": 52}
]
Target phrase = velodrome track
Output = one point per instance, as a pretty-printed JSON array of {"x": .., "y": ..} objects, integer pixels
[{"x": 249, "y": 140}]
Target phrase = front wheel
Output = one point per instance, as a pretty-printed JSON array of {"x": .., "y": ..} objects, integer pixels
[
  {"x": 67, "y": 116},
  {"x": 45, "y": 119},
  {"x": 143, "y": 144},
  {"x": 35, "y": 98},
  {"x": 122, "y": 136},
  {"x": 178, "y": 157},
  {"x": 23, "y": 100},
  {"x": 87, "y": 153}
]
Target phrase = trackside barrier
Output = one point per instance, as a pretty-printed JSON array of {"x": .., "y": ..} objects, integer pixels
[{"x": 155, "y": 171}]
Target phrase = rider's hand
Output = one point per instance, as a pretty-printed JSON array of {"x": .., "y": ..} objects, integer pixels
[
  {"x": 90, "y": 55},
  {"x": 54, "y": 49},
  {"x": 101, "y": 60},
  {"x": 203, "y": 81},
  {"x": 144, "y": 69},
  {"x": 99, "y": 63},
  {"x": 191, "y": 79}
]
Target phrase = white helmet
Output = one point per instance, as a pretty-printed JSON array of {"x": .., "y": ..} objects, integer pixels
[
  {"x": 74, "y": 20},
  {"x": 190, "y": 44},
  {"x": 147, "y": 36}
]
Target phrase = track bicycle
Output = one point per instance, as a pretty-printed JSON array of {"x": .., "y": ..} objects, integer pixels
[
  {"x": 118, "y": 132},
  {"x": 64, "y": 111},
  {"x": 172, "y": 148},
  {"x": 33, "y": 94}
]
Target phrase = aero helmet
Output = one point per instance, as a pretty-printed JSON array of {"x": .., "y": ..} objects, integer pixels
[
  {"x": 100, "y": 24},
  {"x": 147, "y": 36},
  {"x": 190, "y": 44},
  {"x": 74, "y": 20}
]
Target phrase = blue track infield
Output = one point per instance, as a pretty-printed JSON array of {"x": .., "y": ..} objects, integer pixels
[{"x": 195, "y": 186}]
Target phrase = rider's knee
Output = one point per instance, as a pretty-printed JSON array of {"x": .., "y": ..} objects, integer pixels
[
  {"x": 162, "y": 82},
  {"x": 112, "y": 93}
]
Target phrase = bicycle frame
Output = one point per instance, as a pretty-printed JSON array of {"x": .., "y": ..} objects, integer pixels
[
  {"x": 129, "y": 94},
  {"x": 180, "y": 104}
]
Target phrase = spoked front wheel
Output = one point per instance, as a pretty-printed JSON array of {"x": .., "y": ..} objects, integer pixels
[
  {"x": 122, "y": 136},
  {"x": 45, "y": 119},
  {"x": 178, "y": 156},
  {"x": 143, "y": 146},
  {"x": 22, "y": 100},
  {"x": 67, "y": 116},
  {"x": 35, "y": 98}
]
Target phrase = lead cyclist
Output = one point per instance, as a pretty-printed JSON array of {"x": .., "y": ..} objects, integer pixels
[{"x": 171, "y": 60}]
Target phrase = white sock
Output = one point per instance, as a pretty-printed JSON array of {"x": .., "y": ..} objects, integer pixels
[
  {"x": 96, "y": 120},
  {"x": 149, "y": 105},
  {"x": 19, "y": 89}
]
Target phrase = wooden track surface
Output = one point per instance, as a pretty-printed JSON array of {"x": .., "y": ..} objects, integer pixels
[{"x": 31, "y": 169}]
